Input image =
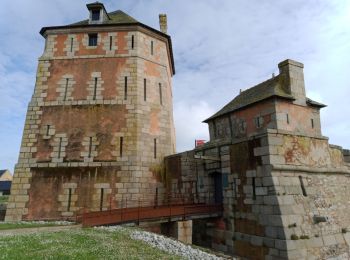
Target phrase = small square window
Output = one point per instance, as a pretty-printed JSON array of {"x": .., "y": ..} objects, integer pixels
[
  {"x": 93, "y": 39},
  {"x": 95, "y": 15}
]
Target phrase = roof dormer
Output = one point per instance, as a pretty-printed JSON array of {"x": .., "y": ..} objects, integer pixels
[{"x": 98, "y": 13}]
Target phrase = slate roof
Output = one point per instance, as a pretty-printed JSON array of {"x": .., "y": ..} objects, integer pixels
[
  {"x": 117, "y": 17},
  {"x": 270, "y": 88},
  {"x": 2, "y": 172},
  {"x": 5, "y": 185}
]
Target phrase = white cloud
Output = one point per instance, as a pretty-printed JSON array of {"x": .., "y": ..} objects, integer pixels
[{"x": 188, "y": 122}]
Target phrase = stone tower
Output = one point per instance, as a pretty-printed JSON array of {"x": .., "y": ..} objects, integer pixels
[{"x": 100, "y": 120}]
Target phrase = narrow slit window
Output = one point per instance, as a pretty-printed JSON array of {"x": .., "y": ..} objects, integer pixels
[
  {"x": 160, "y": 94},
  {"x": 69, "y": 199},
  {"x": 101, "y": 199},
  {"x": 253, "y": 186},
  {"x": 95, "y": 89},
  {"x": 110, "y": 42},
  {"x": 71, "y": 44},
  {"x": 59, "y": 147},
  {"x": 312, "y": 122},
  {"x": 287, "y": 119},
  {"x": 155, "y": 147},
  {"x": 302, "y": 186},
  {"x": 151, "y": 47},
  {"x": 144, "y": 90},
  {"x": 90, "y": 146},
  {"x": 234, "y": 189},
  {"x": 125, "y": 88},
  {"x": 132, "y": 42},
  {"x": 48, "y": 130},
  {"x": 93, "y": 39},
  {"x": 65, "y": 90},
  {"x": 121, "y": 146},
  {"x": 259, "y": 121}
]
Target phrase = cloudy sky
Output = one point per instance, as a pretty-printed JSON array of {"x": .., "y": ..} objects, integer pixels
[{"x": 220, "y": 47}]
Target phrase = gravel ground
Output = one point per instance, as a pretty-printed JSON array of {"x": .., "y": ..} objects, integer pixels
[{"x": 169, "y": 245}]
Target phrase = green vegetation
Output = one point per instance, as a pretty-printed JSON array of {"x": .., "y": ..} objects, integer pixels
[
  {"x": 4, "y": 199},
  {"x": 294, "y": 237},
  {"x": 292, "y": 225},
  {"x": 15, "y": 225},
  {"x": 78, "y": 244}
]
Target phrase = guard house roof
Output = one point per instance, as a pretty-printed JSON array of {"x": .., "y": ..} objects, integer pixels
[
  {"x": 267, "y": 89},
  {"x": 116, "y": 18},
  {"x": 2, "y": 172}
]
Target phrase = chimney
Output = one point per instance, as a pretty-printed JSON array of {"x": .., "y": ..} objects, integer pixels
[
  {"x": 293, "y": 75},
  {"x": 163, "y": 23}
]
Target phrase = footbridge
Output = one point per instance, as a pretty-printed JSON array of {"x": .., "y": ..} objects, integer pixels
[{"x": 162, "y": 213}]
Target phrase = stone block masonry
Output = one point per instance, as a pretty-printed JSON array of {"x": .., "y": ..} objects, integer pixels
[
  {"x": 91, "y": 141},
  {"x": 284, "y": 188}
]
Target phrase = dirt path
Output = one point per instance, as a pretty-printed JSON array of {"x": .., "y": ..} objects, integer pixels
[{"x": 23, "y": 231}]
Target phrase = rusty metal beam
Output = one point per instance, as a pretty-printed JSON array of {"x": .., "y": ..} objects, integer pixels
[{"x": 137, "y": 214}]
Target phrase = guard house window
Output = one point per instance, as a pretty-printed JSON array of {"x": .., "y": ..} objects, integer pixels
[
  {"x": 259, "y": 121},
  {"x": 95, "y": 15},
  {"x": 93, "y": 39}
]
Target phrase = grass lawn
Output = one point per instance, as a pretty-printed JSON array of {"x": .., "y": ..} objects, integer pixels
[
  {"x": 4, "y": 199},
  {"x": 78, "y": 244},
  {"x": 6, "y": 225}
]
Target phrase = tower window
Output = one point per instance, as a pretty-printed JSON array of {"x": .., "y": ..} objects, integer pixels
[
  {"x": 155, "y": 147},
  {"x": 65, "y": 89},
  {"x": 151, "y": 47},
  {"x": 312, "y": 123},
  {"x": 95, "y": 90},
  {"x": 90, "y": 147},
  {"x": 95, "y": 15},
  {"x": 71, "y": 44},
  {"x": 69, "y": 199},
  {"x": 101, "y": 199},
  {"x": 287, "y": 119},
  {"x": 110, "y": 42},
  {"x": 144, "y": 90},
  {"x": 125, "y": 88},
  {"x": 132, "y": 42},
  {"x": 48, "y": 130},
  {"x": 59, "y": 147},
  {"x": 160, "y": 94},
  {"x": 93, "y": 39},
  {"x": 121, "y": 147}
]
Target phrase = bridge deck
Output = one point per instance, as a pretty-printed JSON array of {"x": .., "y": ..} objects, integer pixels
[{"x": 139, "y": 214}]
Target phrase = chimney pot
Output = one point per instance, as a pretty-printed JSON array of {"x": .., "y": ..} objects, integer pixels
[
  {"x": 294, "y": 83},
  {"x": 163, "y": 23}
]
